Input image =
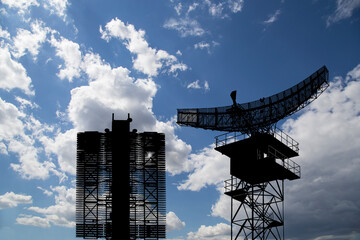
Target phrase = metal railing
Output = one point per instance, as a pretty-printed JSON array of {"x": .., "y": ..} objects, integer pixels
[
  {"x": 286, "y": 139},
  {"x": 285, "y": 161},
  {"x": 229, "y": 137},
  {"x": 233, "y": 184}
]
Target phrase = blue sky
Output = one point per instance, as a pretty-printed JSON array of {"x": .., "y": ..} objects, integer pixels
[{"x": 65, "y": 66}]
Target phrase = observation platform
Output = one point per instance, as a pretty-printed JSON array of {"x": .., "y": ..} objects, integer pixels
[{"x": 262, "y": 157}]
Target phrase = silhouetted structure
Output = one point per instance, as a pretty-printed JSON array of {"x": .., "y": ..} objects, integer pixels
[
  {"x": 120, "y": 185},
  {"x": 259, "y": 155}
]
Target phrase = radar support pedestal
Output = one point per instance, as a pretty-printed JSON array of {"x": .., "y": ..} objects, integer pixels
[{"x": 258, "y": 167}]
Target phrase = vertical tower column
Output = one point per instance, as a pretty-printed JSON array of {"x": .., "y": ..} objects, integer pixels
[{"x": 120, "y": 140}]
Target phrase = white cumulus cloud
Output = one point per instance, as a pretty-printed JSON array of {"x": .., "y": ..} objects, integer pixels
[
  {"x": 60, "y": 214},
  {"x": 18, "y": 134},
  {"x": 70, "y": 52},
  {"x": 32, "y": 221},
  {"x": 22, "y": 5},
  {"x": 11, "y": 199},
  {"x": 173, "y": 222},
  {"x": 329, "y": 135},
  {"x": 210, "y": 168},
  {"x": 13, "y": 74},
  {"x": 148, "y": 60},
  {"x": 220, "y": 231},
  {"x": 57, "y": 7},
  {"x": 29, "y": 41}
]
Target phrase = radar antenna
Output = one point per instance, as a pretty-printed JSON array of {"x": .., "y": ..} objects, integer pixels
[
  {"x": 260, "y": 156},
  {"x": 259, "y": 115}
]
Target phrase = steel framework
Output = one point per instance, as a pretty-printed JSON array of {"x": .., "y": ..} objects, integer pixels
[
  {"x": 259, "y": 154},
  {"x": 259, "y": 165},
  {"x": 258, "y": 212},
  {"x": 148, "y": 193},
  {"x": 121, "y": 177},
  {"x": 93, "y": 184},
  {"x": 258, "y": 115}
]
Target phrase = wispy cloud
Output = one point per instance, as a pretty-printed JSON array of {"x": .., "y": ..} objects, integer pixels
[
  {"x": 196, "y": 85},
  {"x": 185, "y": 26},
  {"x": 215, "y": 10},
  {"x": 178, "y": 8},
  {"x": 57, "y": 7},
  {"x": 187, "y": 23},
  {"x": 22, "y": 6},
  {"x": 273, "y": 17},
  {"x": 206, "y": 46},
  {"x": 202, "y": 45},
  {"x": 344, "y": 9}
]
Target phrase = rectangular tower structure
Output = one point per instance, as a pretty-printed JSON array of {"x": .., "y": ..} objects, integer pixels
[{"x": 120, "y": 185}]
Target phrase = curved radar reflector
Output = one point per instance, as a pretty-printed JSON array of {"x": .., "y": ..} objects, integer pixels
[{"x": 258, "y": 115}]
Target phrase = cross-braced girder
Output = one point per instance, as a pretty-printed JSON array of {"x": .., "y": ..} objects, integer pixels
[
  {"x": 148, "y": 181},
  {"x": 256, "y": 209}
]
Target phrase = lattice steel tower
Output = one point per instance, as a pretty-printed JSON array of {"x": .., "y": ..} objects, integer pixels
[
  {"x": 259, "y": 154},
  {"x": 120, "y": 184}
]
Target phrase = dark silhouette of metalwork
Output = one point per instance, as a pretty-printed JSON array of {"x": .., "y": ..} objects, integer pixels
[
  {"x": 259, "y": 154},
  {"x": 120, "y": 185},
  {"x": 258, "y": 115}
]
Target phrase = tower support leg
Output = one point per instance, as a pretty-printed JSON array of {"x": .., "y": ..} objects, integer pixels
[{"x": 256, "y": 209}]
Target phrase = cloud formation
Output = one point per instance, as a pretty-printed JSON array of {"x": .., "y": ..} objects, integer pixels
[
  {"x": 344, "y": 9},
  {"x": 273, "y": 17},
  {"x": 221, "y": 231},
  {"x": 60, "y": 214},
  {"x": 57, "y": 7},
  {"x": 18, "y": 135},
  {"x": 29, "y": 41},
  {"x": 203, "y": 45},
  {"x": 13, "y": 74},
  {"x": 209, "y": 168},
  {"x": 329, "y": 135},
  {"x": 70, "y": 52},
  {"x": 185, "y": 26},
  {"x": 21, "y": 5},
  {"x": 11, "y": 199},
  {"x": 196, "y": 85},
  {"x": 148, "y": 60},
  {"x": 173, "y": 222}
]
